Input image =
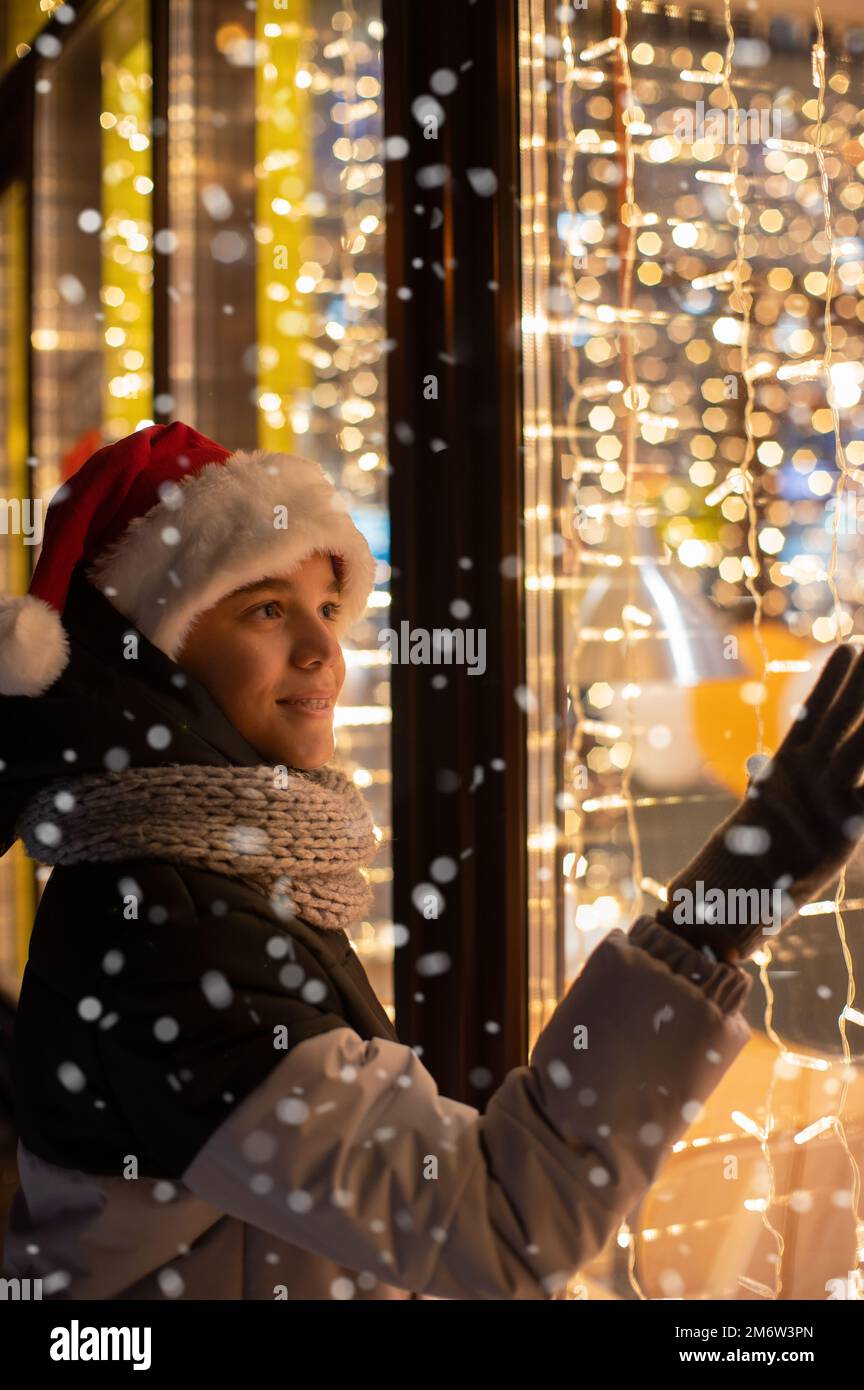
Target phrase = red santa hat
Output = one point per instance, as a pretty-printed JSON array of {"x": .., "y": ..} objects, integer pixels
[{"x": 166, "y": 524}]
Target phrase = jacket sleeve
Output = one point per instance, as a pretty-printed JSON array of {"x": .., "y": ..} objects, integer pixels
[{"x": 348, "y": 1150}]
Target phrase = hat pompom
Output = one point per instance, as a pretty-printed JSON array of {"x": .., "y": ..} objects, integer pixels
[{"x": 34, "y": 646}]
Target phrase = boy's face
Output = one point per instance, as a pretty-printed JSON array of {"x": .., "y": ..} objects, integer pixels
[{"x": 266, "y": 645}]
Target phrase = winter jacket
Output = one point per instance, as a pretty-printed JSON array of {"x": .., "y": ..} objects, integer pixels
[{"x": 213, "y": 1104}]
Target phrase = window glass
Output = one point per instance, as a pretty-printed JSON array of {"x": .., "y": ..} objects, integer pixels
[{"x": 692, "y": 335}]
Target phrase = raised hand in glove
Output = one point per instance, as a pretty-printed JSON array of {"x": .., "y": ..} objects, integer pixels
[{"x": 799, "y": 821}]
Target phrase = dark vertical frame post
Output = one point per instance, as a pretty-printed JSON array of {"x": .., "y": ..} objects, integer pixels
[
  {"x": 455, "y": 491},
  {"x": 159, "y": 42}
]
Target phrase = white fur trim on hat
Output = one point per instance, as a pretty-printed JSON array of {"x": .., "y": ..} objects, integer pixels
[
  {"x": 34, "y": 645},
  {"x": 258, "y": 513}
]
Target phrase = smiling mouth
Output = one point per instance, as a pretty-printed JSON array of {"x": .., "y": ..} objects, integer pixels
[{"x": 313, "y": 707}]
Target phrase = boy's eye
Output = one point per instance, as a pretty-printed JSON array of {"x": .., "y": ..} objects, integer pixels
[
  {"x": 271, "y": 603},
  {"x": 274, "y": 603}
]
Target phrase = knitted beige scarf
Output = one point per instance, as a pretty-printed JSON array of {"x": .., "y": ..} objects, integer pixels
[{"x": 300, "y": 837}]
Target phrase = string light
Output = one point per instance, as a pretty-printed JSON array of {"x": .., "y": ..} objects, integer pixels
[
  {"x": 630, "y": 218},
  {"x": 819, "y": 79},
  {"x": 741, "y": 299}
]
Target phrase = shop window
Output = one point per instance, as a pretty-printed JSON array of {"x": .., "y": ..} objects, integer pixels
[{"x": 692, "y": 335}]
